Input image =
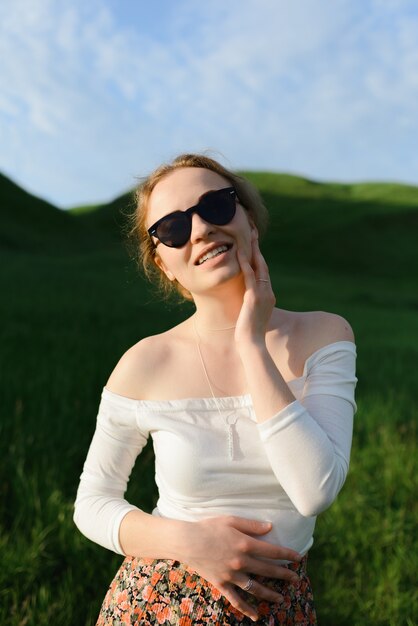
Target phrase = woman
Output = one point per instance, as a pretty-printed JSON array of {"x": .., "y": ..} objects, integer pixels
[{"x": 250, "y": 408}]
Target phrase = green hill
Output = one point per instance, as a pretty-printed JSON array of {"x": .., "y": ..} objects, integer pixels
[
  {"x": 377, "y": 192},
  {"x": 29, "y": 223},
  {"x": 363, "y": 227},
  {"x": 355, "y": 228},
  {"x": 105, "y": 219}
]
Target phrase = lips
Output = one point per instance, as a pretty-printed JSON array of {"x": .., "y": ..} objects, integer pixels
[{"x": 208, "y": 252}]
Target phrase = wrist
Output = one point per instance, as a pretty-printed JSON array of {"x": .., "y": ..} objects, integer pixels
[
  {"x": 144, "y": 535},
  {"x": 185, "y": 546},
  {"x": 176, "y": 542},
  {"x": 250, "y": 346}
]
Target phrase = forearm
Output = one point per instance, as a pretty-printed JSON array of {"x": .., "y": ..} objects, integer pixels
[
  {"x": 308, "y": 445},
  {"x": 309, "y": 463},
  {"x": 269, "y": 391},
  {"x": 150, "y": 536}
]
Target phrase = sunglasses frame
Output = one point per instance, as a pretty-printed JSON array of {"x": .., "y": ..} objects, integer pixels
[{"x": 152, "y": 231}]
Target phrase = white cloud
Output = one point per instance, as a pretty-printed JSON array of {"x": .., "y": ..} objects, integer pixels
[{"x": 325, "y": 89}]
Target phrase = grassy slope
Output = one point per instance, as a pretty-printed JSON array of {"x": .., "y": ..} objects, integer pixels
[
  {"x": 30, "y": 223},
  {"x": 68, "y": 318}
]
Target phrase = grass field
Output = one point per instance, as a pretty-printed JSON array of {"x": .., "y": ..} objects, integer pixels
[{"x": 72, "y": 303}]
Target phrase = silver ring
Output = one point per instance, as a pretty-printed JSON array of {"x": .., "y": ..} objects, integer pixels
[
  {"x": 248, "y": 585},
  {"x": 261, "y": 280}
]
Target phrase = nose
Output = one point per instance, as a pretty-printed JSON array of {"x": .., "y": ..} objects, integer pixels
[{"x": 200, "y": 228}]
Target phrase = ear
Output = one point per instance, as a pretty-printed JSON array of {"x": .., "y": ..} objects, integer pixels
[{"x": 159, "y": 263}]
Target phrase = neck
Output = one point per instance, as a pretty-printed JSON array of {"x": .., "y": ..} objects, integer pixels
[{"x": 218, "y": 312}]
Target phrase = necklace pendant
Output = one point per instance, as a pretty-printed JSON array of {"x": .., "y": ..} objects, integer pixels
[
  {"x": 231, "y": 421},
  {"x": 230, "y": 442}
]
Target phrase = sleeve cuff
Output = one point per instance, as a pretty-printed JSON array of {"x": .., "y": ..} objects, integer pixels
[
  {"x": 116, "y": 525},
  {"x": 281, "y": 420}
]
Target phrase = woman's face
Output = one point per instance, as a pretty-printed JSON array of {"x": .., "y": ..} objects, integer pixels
[{"x": 178, "y": 191}]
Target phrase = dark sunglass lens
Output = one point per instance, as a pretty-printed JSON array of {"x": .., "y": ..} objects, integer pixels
[
  {"x": 174, "y": 231},
  {"x": 218, "y": 207}
]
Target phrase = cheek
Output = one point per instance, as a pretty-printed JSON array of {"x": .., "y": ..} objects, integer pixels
[{"x": 166, "y": 265}]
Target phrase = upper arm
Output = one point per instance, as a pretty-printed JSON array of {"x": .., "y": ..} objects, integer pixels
[
  {"x": 333, "y": 374},
  {"x": 117, "y": 441}
]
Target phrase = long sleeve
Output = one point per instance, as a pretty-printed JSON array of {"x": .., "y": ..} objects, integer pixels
[
  {"x": 308, "y": 443},
  {"x": 117, "y": 441}
]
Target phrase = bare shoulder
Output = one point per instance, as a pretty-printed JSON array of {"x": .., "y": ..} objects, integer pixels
[
  {"x": 296, "y": 335},
  {"x": 136, "y": 367},
  {"x": 320, "y": 328}
]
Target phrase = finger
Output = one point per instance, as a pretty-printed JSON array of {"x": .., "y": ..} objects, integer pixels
[
  {"x": 256, "y": 270},
  {"x": 271, "y": 551},
  {"x": 246, "y": 269},
  {"x": 238, "y": 602},
  {"x": 271, "y": 570},
  {"x": 260, "y": 591},
  {"x": 255, "y": 547},
  {"x": 244, "y": 259},
  {"x": 249, "y": 526},
  {"x": 250, "y": 255},
  {"x": 260, "y": 266}
]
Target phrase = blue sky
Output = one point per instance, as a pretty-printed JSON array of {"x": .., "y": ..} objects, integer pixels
[{"x": 94, "y": 94}]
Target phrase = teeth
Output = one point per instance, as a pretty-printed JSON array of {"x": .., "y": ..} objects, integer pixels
[{"x": 211, "y": 254}]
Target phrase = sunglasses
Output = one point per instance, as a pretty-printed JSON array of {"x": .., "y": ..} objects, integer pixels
[{"x": 216, "y": 207}]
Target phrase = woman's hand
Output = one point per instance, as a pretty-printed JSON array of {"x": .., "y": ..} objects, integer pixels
[
  {"x": 223, "y": 551},
  {"x": 259, "y": 299}
]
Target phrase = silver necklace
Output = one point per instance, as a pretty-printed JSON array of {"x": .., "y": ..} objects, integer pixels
[{"x": 231, "y": 418}]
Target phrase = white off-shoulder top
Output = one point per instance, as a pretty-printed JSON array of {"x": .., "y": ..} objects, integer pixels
[{"x": 286, "y": 469}]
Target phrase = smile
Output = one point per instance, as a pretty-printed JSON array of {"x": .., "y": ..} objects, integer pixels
[{"x": 212, "y": 253}]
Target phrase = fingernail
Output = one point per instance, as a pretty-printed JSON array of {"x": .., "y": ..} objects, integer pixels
[{"x": 279, "y": 598}]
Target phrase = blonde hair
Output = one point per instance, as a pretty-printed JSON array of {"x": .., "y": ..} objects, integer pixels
[{"x": 140, "y": 244}]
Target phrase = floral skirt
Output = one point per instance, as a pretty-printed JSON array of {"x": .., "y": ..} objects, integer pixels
[{"x": 164, "y": 591}]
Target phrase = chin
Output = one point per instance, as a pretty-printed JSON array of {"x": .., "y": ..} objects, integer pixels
[{"x": 220, "y": 281}]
